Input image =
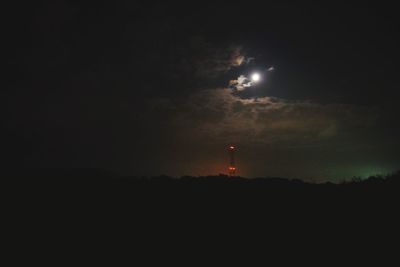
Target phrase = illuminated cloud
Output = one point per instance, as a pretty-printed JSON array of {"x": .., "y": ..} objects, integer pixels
[
  {"x": 241, "y": 83},
  {"x": 218, "y": 115},
  {"x": 237, "y": 58}
]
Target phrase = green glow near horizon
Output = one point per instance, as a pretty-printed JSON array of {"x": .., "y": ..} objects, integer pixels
[
  {"x": 363, "y": 171},
  {"x": 374, "y": 171}
]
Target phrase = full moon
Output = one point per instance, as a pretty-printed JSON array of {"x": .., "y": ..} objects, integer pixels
[{"x": 255, "y": 77}]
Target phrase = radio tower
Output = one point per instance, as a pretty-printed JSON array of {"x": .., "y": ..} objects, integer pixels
[{"x": 232, "y": 166}]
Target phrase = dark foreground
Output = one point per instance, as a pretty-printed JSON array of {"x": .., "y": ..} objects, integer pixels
[
  {"x": 166, "y": 217},
  {"x": 101, "y": 190}
]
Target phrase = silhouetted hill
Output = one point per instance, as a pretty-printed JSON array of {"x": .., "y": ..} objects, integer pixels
[
  {"x": 71, "y": 206},
  {"x": 100, "y": 184}
]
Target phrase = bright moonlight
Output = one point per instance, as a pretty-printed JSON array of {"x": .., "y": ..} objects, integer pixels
[{"x": 255, "y": 77}]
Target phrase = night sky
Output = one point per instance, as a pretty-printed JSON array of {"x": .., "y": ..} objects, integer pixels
[{"x": 150, "y": 89}]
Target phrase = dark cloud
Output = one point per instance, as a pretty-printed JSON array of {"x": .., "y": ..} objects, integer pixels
[{"x": 221, "y": 116}]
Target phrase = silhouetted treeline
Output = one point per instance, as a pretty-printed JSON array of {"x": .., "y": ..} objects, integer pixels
[
  {"x": 76, "y": 202},
  {"x": 100, "y": 183},
  {"x": 99, "y": 176}
]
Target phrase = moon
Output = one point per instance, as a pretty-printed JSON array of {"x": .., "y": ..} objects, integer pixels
[{"x": 255, "y": 77}]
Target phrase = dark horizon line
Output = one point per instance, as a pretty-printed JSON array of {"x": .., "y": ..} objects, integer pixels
[{"x": 37, "y": 172}]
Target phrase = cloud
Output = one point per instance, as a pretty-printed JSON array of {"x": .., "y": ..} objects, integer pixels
[
  {"x": 217, "y": 61},
  {"x": 199, "y": 64},
  {"x": 241, "y": 83},
  {"x": 237, "y": 58},
  {"x": 217, "y": 115}
]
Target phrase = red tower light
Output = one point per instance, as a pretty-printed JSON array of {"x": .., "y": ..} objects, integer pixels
[{"x": 232, "y": 166}]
